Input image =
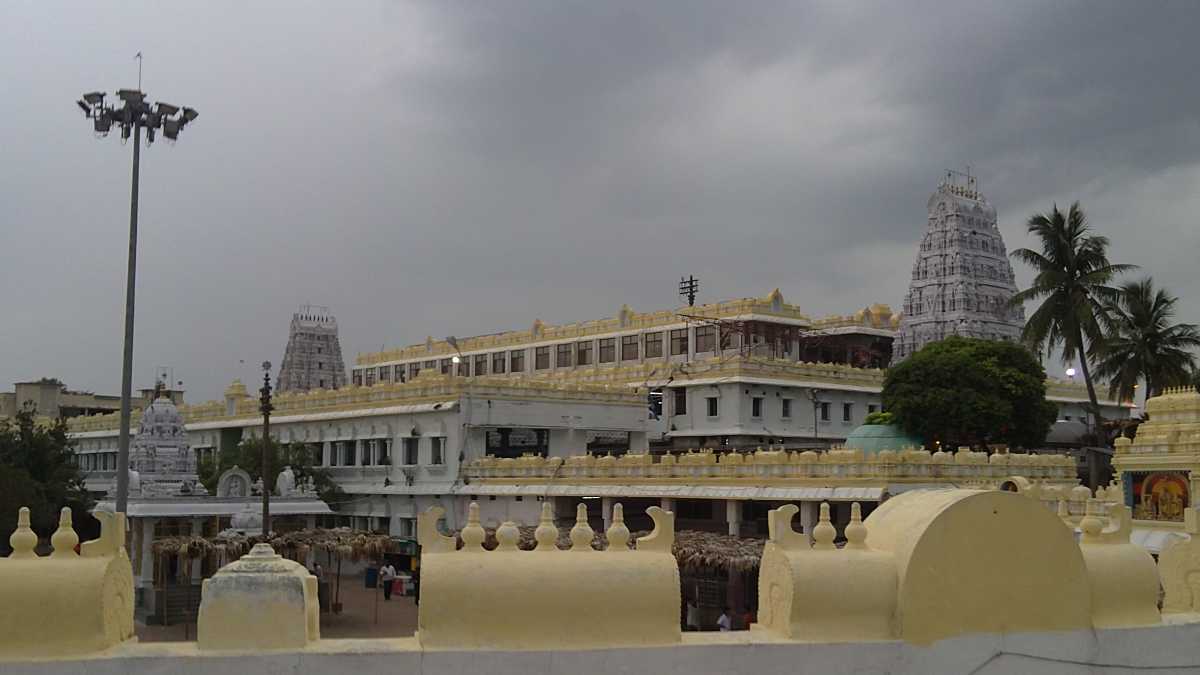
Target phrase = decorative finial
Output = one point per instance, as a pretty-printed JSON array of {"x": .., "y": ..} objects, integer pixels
[
  {"x": 546, "y": 533},
  {"x": 582, "y": 534},
  {"x": 1091, "y": 524},
  {"x": 856, "y": 532},
  {"x": 23, "y": 539},
  {"x": 64, "y": 540},
  {"x": 618, "y": 533},
  {"x": 824, "y": 533},
  {"x": 507, "y": 536},
  {"x": 473, "y": 534}
]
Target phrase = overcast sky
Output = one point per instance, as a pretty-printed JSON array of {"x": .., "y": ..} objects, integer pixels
[{"x": 463, "y": 168}]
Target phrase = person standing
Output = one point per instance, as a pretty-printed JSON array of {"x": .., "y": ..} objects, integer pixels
[
  {"x": 725, "y": 622},
  {"x": 387, "y": 575}
]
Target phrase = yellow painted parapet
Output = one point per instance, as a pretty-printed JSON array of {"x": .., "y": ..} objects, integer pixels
[
  {"x": 971, "y": 561},
  {"x": 547, "y": 598},
  {"x": 821, "y": 593},
  {"x": 851, "y": 466},
  {"x": 67, "y": 603},
  {"x": 1179, "y": 570},
  {"x": 261, "y": 601},
  {"x": 1123, "y": 576}
]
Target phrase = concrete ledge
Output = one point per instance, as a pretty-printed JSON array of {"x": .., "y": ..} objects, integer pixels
[{"x": 1163, "y": 648}]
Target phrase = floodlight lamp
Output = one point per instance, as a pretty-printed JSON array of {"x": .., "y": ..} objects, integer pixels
[
  {"x": 149, "y": 135},
  {"x": 102, "y": 124},
  {"x": 93, "y": 98},
  {"x": 171, "y": 129},
  {"x": 131, "y": 96},
  {"x": 166, "y": 108},
  {"x": 190, "y": 114},
  {"x": 87, "y": 109},
  {"x": 455, "y": 359},
  {"x": 124, "y": 132}
]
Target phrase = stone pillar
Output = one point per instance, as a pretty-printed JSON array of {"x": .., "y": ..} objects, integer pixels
[
  {"x": 733, "y": 516},
  {"x": 146, "y": 579},
  {"x": 310, "y": 521},
  {"x": 667, "y": 504},
  {"x": 606, "y": 511},
  {"x": 808, "y": 517},
  {"x": 564, "y": 443},
  {"x": 639, "y": 442},
  {"x": 197, "y": 531},
  {"x": 326, "y": 447}
]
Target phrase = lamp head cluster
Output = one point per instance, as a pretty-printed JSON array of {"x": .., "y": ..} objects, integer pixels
[{"x": 133, "y": 111}]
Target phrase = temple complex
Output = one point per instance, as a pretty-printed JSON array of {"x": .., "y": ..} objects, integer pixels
[
  {"x": 962, "y": 282},
  {"x": 167, "y": 499}
]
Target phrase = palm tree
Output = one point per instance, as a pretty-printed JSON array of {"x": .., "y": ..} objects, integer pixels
[
  {"x": 1073, "y": 273},
  {"x": 1142, "y": 343}
]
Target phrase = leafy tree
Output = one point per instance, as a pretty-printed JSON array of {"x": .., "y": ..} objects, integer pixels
[
  {"x": 1072, "y": 277},
  {"x": 1141, "y": 343},
  {"x": 965, "y": 391},
  {"x": 880, "y": 418},
  {"x": 38, "y": 470},
  {"x": 248, "y": 456}
]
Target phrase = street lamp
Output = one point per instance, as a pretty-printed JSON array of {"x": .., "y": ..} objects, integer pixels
[
  {"x": 132, "y": 114},
  {"x": 265, "y": 407}
]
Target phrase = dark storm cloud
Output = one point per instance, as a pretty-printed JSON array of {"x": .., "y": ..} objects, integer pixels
[{"x": 464, "y": 168}]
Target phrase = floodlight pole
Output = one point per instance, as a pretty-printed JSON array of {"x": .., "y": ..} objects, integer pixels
[
  {"x": 135, "y": 113},
  {"x": 127, "y": 357}
]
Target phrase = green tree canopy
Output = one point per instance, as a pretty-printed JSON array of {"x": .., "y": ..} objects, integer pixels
[
  {"x": 1141, "y": 343},
  {"x": 248, "y": 456},
  {"x": 38, "y": 470},
  {"x": 964, "y": 391}
]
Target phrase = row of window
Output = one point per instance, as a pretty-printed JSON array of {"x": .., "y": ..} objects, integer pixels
[
  {"x": 377, "y": 452},
  {"x": 712, "y": 407},
  {"x": 565, "y": 355}
]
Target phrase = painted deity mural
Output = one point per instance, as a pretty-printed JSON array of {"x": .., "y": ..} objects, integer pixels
[{"x": 1159, "y": 495}]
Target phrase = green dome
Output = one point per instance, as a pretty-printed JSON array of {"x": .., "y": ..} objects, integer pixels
[{"x": 871, "y": 438}]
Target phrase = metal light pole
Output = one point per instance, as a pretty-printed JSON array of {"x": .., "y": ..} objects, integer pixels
[
  {"x": 133, "y": 114},
  {"x": 265, "y": 407}
]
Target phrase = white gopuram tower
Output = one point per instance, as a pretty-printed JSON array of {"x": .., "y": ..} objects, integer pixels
[
  {"x": 962, "y": 281},
  {"x": 313, "y": 358}
]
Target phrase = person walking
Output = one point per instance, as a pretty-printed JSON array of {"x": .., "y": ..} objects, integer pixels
[{"x": 387, "y": 576}]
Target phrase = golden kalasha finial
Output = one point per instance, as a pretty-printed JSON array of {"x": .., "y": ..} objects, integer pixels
[
  {"x": 582, "y": 534},
  {"x": 473, "y": 534},
  {"x": 856, "y": 532},
  {"x": 64, "y": 540},
  {"x": 618, "y": 533},
  {"x": 508, "y": 536},
  {"x": 546, "y": 533},
  {"x": 23, "y": 539},
  {"x": 824, "y": 533}
]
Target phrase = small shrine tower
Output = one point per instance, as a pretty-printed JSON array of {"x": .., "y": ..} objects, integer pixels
[{"x": 313, "y": 358}]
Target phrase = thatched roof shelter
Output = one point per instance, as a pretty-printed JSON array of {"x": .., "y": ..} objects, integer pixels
[
  {"x": 344, "y": 542},
  {"x": 695, "y": 551}
]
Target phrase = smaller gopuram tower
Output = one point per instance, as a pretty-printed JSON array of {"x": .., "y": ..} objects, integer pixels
[
  {"x": 313, "y": 358},
  {"x": 962, "y": 282}
]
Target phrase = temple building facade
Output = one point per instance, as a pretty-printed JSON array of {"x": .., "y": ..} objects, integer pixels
[
  {"x": 962, "y": 282},
  {"x": 313, "y": 357}
]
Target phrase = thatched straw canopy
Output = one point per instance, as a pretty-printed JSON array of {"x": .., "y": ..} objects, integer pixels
[
  {"x": 347, "y": 543},
  {"x": 695, "y": 551}
]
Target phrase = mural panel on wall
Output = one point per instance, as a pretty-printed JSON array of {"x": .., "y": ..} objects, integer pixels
[{"x": 1159, "y": 495}]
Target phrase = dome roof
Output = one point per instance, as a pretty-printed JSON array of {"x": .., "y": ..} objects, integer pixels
[
  {"x": 161, "y": 423},
  {"x": 872, "y": 438}
]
